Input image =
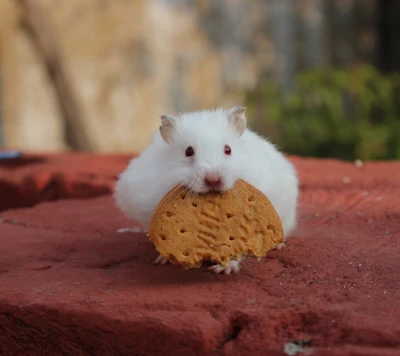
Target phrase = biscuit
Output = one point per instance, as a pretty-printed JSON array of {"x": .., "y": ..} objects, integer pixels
[{"x": 189, "y": 228}]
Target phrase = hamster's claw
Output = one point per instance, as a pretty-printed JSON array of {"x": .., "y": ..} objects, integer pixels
[
  {"x": 161, "y": 260},
  {"x": 233, "y": 266},
  {"x": 280, "y": 246}
]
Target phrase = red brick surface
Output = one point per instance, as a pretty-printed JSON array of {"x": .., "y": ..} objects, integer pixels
[
  {"x": 35, "y": 178},
  {"x": 72, "y": 285}
]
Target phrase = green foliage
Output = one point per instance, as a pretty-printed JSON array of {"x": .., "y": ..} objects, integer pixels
[{"x": 351, "y": 113}]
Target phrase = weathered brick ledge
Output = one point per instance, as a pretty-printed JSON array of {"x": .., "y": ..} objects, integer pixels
[{"x": 72, "y": 285}]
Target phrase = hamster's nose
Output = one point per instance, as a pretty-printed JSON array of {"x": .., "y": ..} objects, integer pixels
[{"x": 212, "y": 180}]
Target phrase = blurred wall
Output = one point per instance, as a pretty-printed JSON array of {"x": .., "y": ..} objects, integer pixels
[{"x": 120, "y": 64}]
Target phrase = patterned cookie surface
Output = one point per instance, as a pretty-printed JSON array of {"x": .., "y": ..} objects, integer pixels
[{"x": 188, "y": 229}]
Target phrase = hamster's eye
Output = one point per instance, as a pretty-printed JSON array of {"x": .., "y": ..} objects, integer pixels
[
  {"x": 189, "y": 151},
  {"x": 227, "y": 150}
]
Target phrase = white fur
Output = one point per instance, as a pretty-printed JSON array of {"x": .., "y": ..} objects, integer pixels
[{"x": 162, "y": 166}]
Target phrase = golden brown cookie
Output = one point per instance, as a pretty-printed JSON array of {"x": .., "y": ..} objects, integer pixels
[{"x": 189, "y": 228}]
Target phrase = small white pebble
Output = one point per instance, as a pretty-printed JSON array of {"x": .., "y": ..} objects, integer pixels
[
  {"x": 350, "y": 263},
  {"x": 292, "y": 349},
  {"x": 346, "y": 180},
  {"x": 384, "y": 292},
  {"x": 358, "y": 163},
  {"x": 359, "y": 264}
]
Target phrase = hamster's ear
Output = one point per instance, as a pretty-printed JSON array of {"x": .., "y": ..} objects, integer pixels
[
  {"x": 237, "y": 118},
  {"x": 168, "y": 124}
]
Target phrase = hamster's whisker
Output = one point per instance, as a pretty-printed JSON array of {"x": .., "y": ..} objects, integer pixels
[
  {"x": 190, "y": 194},
  {"x": 169, "y": 195},
  {"x": 171, "y": 192},
  {"x": 196, "y": 185},
  {"x": 239, "y": 196}
]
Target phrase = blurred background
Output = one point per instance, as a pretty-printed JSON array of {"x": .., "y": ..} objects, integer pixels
[{"x": 319, "y": 77}]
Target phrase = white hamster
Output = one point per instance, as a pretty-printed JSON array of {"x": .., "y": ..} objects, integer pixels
[{"x": 203, "y": 151}]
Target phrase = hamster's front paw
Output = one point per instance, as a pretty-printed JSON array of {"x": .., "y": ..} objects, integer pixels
[
  {"x": 161, "y": 260},
  {"x": 233, "y": 266}
]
